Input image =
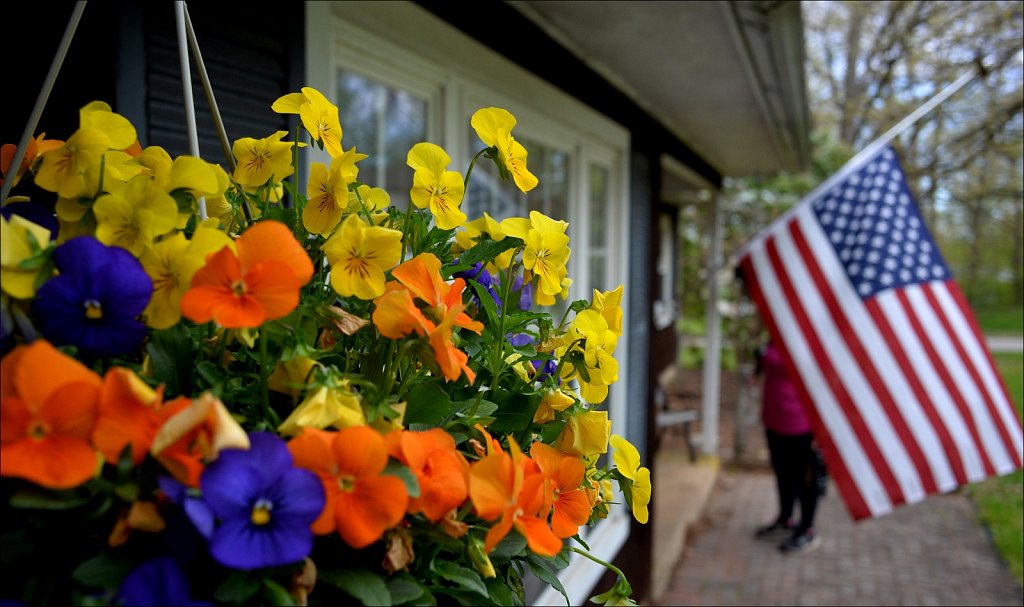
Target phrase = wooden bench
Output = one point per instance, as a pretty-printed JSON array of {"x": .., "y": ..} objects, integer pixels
[{"x": 667, "y": 419}]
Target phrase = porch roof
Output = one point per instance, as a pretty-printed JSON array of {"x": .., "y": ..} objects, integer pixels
[{"x": 724, "y": 78}]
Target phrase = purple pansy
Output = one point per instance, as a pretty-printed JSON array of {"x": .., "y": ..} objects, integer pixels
[
  {"x": 483, "y": 277},
  {"x": 158, "y": 581},
  {"x": 36, "y": 213},
  {"x": 264, "y": 505},
  {"x": 95, "y": 301}
]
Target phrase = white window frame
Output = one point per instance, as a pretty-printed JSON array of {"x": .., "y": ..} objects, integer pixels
[{"x": 405, "y": 46}]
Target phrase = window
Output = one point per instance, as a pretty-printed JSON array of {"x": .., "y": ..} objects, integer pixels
[{"x": 384, "y": 122}]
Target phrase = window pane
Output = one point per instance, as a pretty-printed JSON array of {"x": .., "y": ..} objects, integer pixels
[
  {"x": 383, "y": 122},
  {"x": 598, "y": 226}
]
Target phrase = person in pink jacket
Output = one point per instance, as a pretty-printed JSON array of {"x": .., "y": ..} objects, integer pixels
[{"x": 790, "y": 444}]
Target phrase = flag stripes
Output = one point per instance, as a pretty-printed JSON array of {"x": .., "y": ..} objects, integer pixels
[{"x": 906, "y": 398}]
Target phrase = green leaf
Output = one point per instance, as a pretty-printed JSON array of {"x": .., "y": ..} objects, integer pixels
[
  {"x": 34, "y": 498},
  {"x": 486, "y": 301},
  {"x": 539, "y": 569},
  {"x": 500, "y": 592},
  {"x": 579, "y": 305},
  {"x": 466, "y": 578},
  {"x": 488, "y": 250},
  {"x": 511, "y": 545},
  {"x": 104, "y": 571},
  {"x": 412, "y": 486},
  {"x": 581, "y": 542},
  {"x": 404, "y": 588},
  {"x": 367, "y": 587},
  {"x": 173, "y": 353},
  {"x": 237, "y": 588},
  {"x": 428, "y": 405},
  {"x": 515, "y": 413},
  {"x": 276, "y": 593}
]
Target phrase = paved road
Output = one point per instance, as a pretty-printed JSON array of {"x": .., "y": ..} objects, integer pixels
[{"x": 932, "y": 553}]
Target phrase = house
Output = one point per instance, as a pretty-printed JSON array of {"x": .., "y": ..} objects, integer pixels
[{"x": 627, "y": 109}]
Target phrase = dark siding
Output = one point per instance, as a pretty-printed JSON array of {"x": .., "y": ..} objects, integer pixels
[
  {"x": 32, "y": 32},
  {"x": 251, "y": 54}
]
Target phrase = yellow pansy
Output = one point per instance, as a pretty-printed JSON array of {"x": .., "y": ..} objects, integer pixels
[
  {"x": 359, "y": 255},
  {"x": 434, "y": 186},
  {"x": 319, "y": 116},
  {"x": 585, "y": 434},
  {"x": 627, "y": 460},
  {"x": 290, "y": 377},
  {"x": 73, "y": 169},
  {"x": 553, "y": 400},
  {"x": 132, "y": 218},
  {"x": 467, "y": 237},
  {"x": 609, "y": 305},
  {"x": 260, "y": 159},
  {"x": 327, "y": 194},
  {"x": 171, "y": 263},
  {"x": 547, "y": 248},
  {"x": 373, "y": 199},
  {"x": 335, "y": 406},
  {"x": 20, "y": 239},
  {"x": 118, "y": 129},
  {"x": 494, "y": 127}
]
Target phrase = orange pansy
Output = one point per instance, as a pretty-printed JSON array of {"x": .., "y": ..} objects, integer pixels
[
  {"x": 194, "y": 435},
  {"x": 258, "y": 284},
  {"x": 442, "y": 472},
  {"x": 48, "y": 405},
  {"x": 396, "y": 314},
  {"x": 510, "y": 487},
  {"x": 361, "y": 502},
  {"x": 130, "y": 412},
  {"x": 564, "y": 474}
]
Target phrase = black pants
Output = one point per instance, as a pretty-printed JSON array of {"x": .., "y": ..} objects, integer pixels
[{"x": 794, "y": 465}]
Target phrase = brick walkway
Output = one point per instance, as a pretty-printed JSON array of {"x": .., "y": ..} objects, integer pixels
[{"x": 932, "y": 553}]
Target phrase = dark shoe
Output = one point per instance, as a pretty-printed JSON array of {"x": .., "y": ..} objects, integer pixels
[
  {"x": 801, "y": 542},
  {"x": 776, "y": 529}
]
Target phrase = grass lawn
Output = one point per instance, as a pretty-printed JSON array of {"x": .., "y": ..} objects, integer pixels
[
  {"x": 1001, "y": 500},
  {"x": 1001, "y": 321}
]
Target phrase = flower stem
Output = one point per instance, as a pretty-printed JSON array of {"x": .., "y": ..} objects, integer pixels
[
  {"x": 605, "y": 564},
  {"x": 264, "y": 375},
  {"x": 469, "y": 171}
]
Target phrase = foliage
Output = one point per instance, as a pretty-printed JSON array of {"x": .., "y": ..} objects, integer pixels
[
  {"x": 1000, "y": 500},
  {"x": 218, "y": 389},
  {"x": 1001, "y": 321}
]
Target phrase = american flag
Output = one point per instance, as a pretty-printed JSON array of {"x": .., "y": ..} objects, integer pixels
[{"x": 905, "y": 398}]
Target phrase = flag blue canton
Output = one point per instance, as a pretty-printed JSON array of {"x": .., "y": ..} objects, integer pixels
[{"x": 876, "y": 229}]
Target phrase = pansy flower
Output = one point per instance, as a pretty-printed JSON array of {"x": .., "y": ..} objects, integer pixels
[
  {"x": 130, "y": 413},
  {"x": 396, "y": 315},
  {"x": 570, "y": 507},
  {"x": 133, "y": 217},
  {"x": 494, "y": 127},
  {"x": 95, "y": 301},
  {"x": 434, "y": 186},
  {"x": 585, "y": 434},
  {"x": 319, "y": 116},
  {"x": 547, "y": 248},
  {"x": 324, "y": 406},
  {"x": 48, "y": 407},
  {"x": 20, "y": 241},
  {"x": 158, "y": 581},
  {"x": 362, "y": 503},
  {"x": 171, "y": 264},
  {"x": 194, "y": 436},
  {"x": 259, "y": 283},
  {"x": 509, "y": 488},
  {"x": 37, "y": 146},
  {"x": 260, "y": 159},
  {"x": 627, "y": 461},
  {"x": 265, "y": 505},
  {"x": 441, "y": 471},
  {"x": 359, "y": 255}
]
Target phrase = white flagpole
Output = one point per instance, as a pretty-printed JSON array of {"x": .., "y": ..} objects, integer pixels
[
  {"x": 186, "y": 85},
  {"x": 44, "y": 96},
  {"x": 869, "y": 150}
]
